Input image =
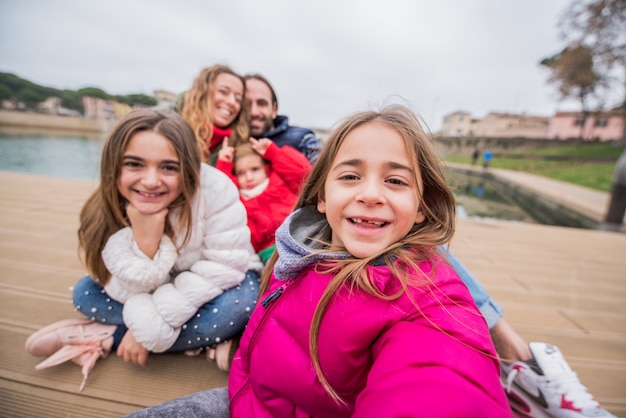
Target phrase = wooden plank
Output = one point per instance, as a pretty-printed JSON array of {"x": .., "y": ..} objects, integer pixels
[{"x": 559, "y": 285}]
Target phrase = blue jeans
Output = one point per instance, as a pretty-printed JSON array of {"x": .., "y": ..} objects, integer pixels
[
  {"x": 220, "y": 319},
  {"x": 491, "y": 310}
]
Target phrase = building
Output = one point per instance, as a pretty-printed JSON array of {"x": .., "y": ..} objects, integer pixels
[
  {"x": 510, "y": 125},
  {"x": 495, "y": 125},
  {"x": 96, "y": 108},
  {"x": 597, "y": 126},
  {"x": 165, "y": 98},
  {"x": 457, "y": 124},
  {"x": 51, "y": 105}
]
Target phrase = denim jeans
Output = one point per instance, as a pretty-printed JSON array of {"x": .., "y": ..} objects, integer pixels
[
  {"x": 491, "y": 310},
  {"x": 220, "y": 319}
]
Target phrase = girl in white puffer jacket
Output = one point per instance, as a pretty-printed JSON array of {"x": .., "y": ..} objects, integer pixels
[{"x": 167, "y": 248}]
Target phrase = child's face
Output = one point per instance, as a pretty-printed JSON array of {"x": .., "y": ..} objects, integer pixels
[
  {"x": 227, "y": 99},
  {"x": 370, "y": 195},
  {"x": 150, "y": 176},
  {"x": 250, "y": 171}
]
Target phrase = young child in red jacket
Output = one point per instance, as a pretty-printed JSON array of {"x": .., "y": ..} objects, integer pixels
[{"x": 269, "y": 179}]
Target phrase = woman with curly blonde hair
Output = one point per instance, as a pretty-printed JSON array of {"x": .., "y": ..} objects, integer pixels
[{"x": 214, "y": 107}]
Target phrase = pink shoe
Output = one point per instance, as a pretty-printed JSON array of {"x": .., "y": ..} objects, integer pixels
[{"x": 80, "y": 340}]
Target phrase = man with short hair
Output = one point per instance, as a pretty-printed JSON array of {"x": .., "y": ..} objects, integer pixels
[{"x": 265, "y": 122}]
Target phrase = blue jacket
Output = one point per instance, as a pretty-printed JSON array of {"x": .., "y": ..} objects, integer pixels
[{"x": 302, "y": 139}]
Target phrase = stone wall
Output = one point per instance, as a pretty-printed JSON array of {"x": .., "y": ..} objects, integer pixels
[{"x": 543, "y": 208}]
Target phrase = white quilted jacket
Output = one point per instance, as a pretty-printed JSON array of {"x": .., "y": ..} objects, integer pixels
[{"x": 161, "y": 294}]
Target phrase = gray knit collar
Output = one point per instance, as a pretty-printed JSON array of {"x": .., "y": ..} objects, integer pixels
[{"x": 300, "y": 242}]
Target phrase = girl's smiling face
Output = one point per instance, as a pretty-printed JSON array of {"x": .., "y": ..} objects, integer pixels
[
  {"x": 150, "y": 175},
  {"x": 227, "y": 99},
  {"x": 371, "y": 199}
]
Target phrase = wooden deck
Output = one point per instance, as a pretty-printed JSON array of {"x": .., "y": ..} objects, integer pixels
[{"x": 560, "y": 285}]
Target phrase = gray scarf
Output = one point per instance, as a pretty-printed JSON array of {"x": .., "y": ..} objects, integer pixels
[{"x": 304, "y": 233}]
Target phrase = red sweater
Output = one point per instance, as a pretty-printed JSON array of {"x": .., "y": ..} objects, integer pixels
[
  {"x": 287, "y": 170},
  {"x": 215, "y": 140}
]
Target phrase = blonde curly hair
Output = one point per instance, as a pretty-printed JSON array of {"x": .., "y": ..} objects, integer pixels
[{"x": 197, "y": 109}]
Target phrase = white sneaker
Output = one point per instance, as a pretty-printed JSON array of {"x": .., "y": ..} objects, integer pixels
[{"x": 546, "y": 386}]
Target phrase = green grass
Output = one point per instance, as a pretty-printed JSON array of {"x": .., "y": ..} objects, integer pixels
[
  {"x": 595, "y": 150},
  {"x": 596, "y": 175}
]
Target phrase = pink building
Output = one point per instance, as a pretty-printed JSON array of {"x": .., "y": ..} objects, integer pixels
[{"x": 607, "y": 126}]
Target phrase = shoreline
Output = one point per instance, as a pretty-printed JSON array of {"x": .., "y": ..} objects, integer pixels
[{"x": 18, "y": 122}]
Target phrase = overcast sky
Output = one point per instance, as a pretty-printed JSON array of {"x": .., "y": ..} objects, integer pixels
[{"x": 326, "y": 58}]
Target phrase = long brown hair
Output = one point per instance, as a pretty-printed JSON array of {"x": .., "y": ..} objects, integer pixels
[
  {"x": 437, "y": 204},
  {"x": 198, "y": 109},
  {"x": 104, "y": 212}
]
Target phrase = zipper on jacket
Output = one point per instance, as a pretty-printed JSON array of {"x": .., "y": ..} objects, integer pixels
[
  {"x": 267, "y": 302},
  {"x": 272, "y": 297},
  {"x": 269, "y": 306}
]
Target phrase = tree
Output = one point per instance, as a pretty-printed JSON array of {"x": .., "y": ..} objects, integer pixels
[
  {"x": 30, "y": 97},
  {"x": 5, "y": 92},
  {"x": 137, "y": 100},
  {"x": 600, "y": 25},
  {"x": 72, "y": 100},
  {"x": 94, "y": 92},
  {"x": 13, "y": 82},
  {"x": 574, "y": 74}
]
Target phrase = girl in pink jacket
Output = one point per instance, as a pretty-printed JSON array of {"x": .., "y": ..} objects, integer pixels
[{"x": 360, "y": 316}]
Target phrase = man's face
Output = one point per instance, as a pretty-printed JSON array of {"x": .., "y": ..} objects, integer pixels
[{"x": 262, "y": 110}]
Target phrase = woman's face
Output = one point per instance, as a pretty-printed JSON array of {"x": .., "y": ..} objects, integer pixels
[{"x": 227, "y": 99}]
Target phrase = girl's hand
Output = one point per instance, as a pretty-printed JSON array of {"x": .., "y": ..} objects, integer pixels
[
  {"x": 227, "y": 152},
  {"x": 131, "y": 350},
  {"x": 147, "y": 228},
  {"x": 261, "y": 145}
]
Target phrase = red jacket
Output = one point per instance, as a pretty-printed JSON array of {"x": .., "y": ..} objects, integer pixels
[{"x": 287, "y": 170}]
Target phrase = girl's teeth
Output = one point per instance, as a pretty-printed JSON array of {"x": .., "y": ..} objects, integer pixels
[{"x": 359, "y": 221}]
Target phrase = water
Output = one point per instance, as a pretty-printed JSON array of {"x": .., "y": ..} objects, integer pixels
[
  {"x": 57, "y": 156},
  {"x": 478, "y": 198},
  {"x": 79, "y": 157}
]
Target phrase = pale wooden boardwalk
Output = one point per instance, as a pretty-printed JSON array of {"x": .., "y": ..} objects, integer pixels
[{"x": 560, "y": 285}]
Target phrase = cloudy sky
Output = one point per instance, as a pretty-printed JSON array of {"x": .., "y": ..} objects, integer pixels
[{"x": 326, "y": 58}]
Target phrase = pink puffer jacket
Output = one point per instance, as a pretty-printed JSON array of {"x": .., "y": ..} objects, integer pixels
[{"x": 384, "y": 358}]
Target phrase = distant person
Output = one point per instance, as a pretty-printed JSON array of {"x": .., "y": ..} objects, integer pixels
[
  {"x": 614, "y": 218},
  {"x": 475, "y": 156},
  {"x": 266, "y": 123},
  {"x": 487, "y": 157},
  {"x": 167, "y": 249},
  {"x": 361, "y": 315},
  {"x": 269, "y": 178},
  {"x": 213, "y": 106}
]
